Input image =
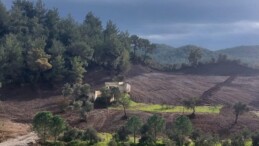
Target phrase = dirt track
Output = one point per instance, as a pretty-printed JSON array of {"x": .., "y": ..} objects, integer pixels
[
  {"x": 173, "y": 88},
  {"x": 24, "y": 140}
]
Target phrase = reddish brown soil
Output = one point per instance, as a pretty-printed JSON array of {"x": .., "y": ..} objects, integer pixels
[
  {"x": 170, "y": 88},
  {"x": 22, "y": 103}
]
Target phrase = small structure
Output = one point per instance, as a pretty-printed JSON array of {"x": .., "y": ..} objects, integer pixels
[{"x": 122, "y": 86}]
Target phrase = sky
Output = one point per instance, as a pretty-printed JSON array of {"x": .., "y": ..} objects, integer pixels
[{"x": 213, "y": 24}]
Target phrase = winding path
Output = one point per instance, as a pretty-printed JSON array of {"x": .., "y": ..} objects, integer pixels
[
  {"x": 25, "y": 140},
  {"x": 207, "y": 94}
]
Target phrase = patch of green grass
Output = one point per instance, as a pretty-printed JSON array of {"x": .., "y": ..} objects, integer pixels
[
  {"x": 169, "y": 109},
  {"x": 106, "y": 137},
  {"x": 248, "y": 143}
]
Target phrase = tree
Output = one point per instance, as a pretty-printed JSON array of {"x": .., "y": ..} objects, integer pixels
[
  {"x": 156, "y": 124},
  {"x": 68, "y": 30},
  {"x": 191, "y": 104},
  {"x": 12, "y": 59},
  {"x": 146, "y": 138},
  {"x": 255, "y": 139},
  {"x": 122, "y": 134},
  {"x": 133, "y": 125},
  {"x": 238, "y": 140},
  {"x": 125, "y": 102},
  {"x": 194, "y": 56},
  {"x": 182, "y": 127},
  {"x": 85, "y": 109},
  {"x": 92, "y": 30},
  {"x": 4, "y": 19},
  {"x": 67, "y": 90},
  {"x": 58, "y": 70},
  {"x": 147, "y": 48},
  {"x": 135, "y": 45},
  {"x": 77, "y": 70},
  {"x": 41, "y": 124},
  {"x": 114, "y": 52},
  {"x": 57, "y": 126},
  {"x": 82, "y": 50},
  {"x": 239, "y": 109}
]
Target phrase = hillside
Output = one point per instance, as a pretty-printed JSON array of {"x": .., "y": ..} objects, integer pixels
[
  {"x": 165, "y": 54},
  {"x": 148, "y": 86},
  {"x": 248, "y": 54}
]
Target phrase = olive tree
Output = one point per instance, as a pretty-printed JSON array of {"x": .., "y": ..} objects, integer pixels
[
  {"x": 239, "y": 109},
  {"x": 125, "y": 102},
  {"x": 191, "y": 104}
]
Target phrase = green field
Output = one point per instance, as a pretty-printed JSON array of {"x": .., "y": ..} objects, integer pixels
[{"x": 157, "y": 108}]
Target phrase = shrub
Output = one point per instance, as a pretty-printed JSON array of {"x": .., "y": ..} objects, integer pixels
[
  {"x": 112, "y": 143},
  {"x": 255, "y": 139},
  {"x": 58, "y": 143},
  {"x": 122, "y": 134},
  {"x": 77, "y": 143},
  {"x": 71, "y": 135},
  {"x": 226, "y": 143},
  {"x": 168, "y": 142},
  {"x": 91, "y": 135}
]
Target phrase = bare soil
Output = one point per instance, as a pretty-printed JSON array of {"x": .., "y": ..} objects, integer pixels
[{"x": 20, "y": 104}]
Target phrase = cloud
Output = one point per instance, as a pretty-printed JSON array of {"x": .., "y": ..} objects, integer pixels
[
  {"x": 212, "y": 35},
  {"x": 208, "y": 23}
]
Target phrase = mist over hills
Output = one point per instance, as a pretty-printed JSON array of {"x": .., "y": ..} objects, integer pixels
[{"x": 165, "y": 54}]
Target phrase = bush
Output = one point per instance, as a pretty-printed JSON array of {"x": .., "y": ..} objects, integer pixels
[
  {"x": 122, "y": 134},
  {"x": 77, "y": 143},
  {"x": 226, "y": 143},
  {"x": 168, "y": 142},
  {"x": 238, "y": 141},
  {"x": 91, "y": 135},
  {"x": 58, "y": 143},
  {"x": 71, "y": 135},
  {"x": 255, "y": 139},
  {"x": 146, "y": 141},
  {"x": 112, "y": 143}
]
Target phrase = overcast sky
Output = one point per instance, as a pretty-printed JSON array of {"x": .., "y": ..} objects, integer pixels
[{"x": 214, "y": 24}]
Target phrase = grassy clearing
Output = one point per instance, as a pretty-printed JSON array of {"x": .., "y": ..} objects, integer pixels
[
  {"x": 106, "y": 137},
  {"x": 169, "y": 109}
]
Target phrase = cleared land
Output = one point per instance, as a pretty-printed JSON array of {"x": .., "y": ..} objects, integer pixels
[
  {"x": 20, "y": 104},
  {"x": 161, "y": 88}
]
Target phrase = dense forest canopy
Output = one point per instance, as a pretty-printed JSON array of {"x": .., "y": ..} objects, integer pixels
[{"x": 37, "y": 45}]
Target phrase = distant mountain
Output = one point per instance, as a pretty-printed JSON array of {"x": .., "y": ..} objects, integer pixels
[
  {"x": 247, "y": 54},
  {"x": 165, "y": 54}
]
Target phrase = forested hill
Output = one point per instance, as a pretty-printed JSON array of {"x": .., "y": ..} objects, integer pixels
[
  {"x": 165, "y": 54},
  {"x": 37, "y": 45},
  {"x": 248, "y": 54}
]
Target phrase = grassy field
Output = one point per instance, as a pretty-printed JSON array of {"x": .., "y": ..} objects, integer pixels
[{"x": 170, "y": 109}]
